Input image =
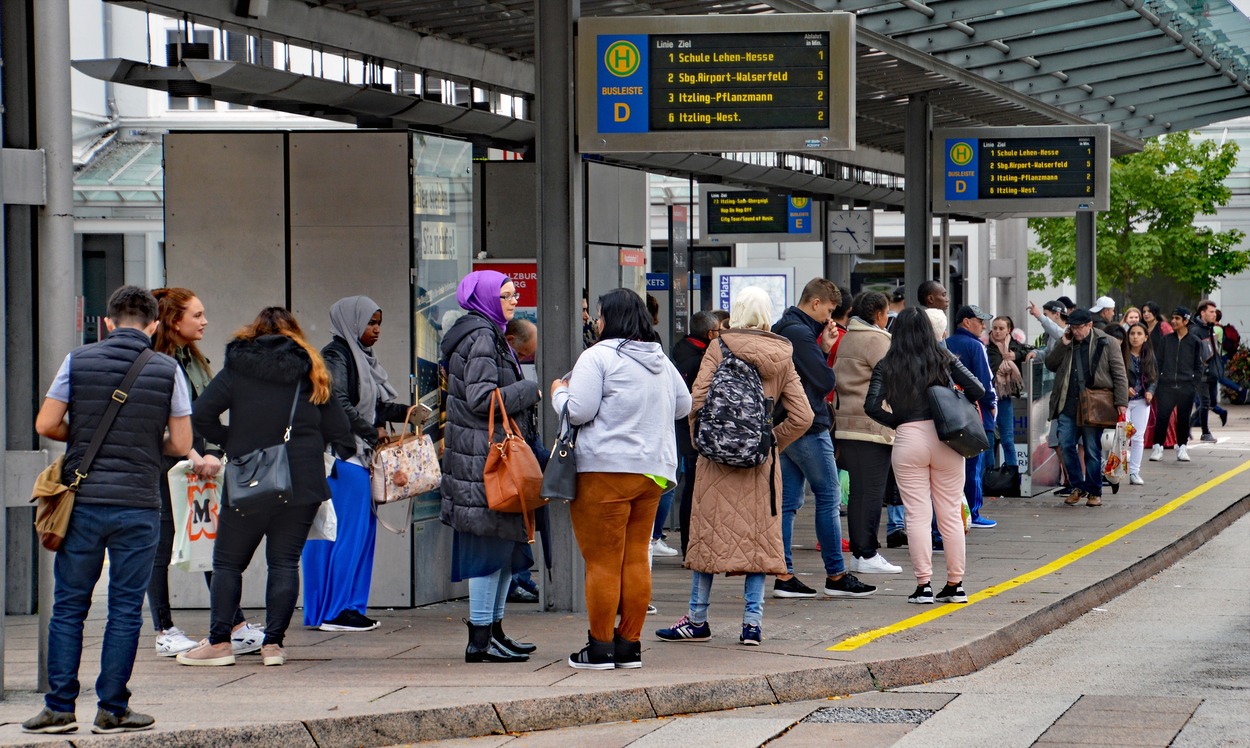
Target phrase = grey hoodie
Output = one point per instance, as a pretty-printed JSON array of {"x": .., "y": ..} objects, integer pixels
[{"x": 625, "y": 402}]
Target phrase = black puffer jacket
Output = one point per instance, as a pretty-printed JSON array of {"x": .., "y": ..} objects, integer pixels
[
  {"x": 346, "y": 389},
  {"x": 478, "y": 361},
  {"x": 257, "y": 385}
]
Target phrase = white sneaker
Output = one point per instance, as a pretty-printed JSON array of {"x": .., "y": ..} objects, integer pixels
[
  {"x": 1135, "y": 479},
  {"x": 1182, "y": 453},
  {"x": 875, "y": 564},
  {"x": 172, "y": 642},
  {"x": 660, "y": 548},
  {"x": 1156, "y": 453},
  {"x": 247, "y": 639}
]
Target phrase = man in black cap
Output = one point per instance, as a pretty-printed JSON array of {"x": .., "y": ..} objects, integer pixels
[
  {"x": 967, "y": 346},
  {"x": 1180, "y": 370},
  {"x": 1084, "y": 358},
  {"x": 1053, "y": 316}
]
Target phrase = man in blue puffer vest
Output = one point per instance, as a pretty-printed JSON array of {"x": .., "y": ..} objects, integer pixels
[
  {"x": 967, "y": 346},
  {"x": 117, "y": 507}
]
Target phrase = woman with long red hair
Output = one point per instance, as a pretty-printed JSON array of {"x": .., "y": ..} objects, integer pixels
[{"x": 182, "y": 321}]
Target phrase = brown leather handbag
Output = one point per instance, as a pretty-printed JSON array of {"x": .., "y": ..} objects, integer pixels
[
  {"x": 513, "y": 478},
  {"x": 1096, "y": 408}
]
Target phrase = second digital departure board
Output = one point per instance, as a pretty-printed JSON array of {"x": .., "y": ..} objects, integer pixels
[
  {"x": 699, "y": 83},
  {"x": 1022, "y": 170}
]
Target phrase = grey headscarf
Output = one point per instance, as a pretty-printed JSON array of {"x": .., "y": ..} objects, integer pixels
[{"x": 348, "y": 319}]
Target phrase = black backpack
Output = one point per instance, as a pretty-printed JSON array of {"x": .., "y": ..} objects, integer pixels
[{"x": 735, "y": 425}]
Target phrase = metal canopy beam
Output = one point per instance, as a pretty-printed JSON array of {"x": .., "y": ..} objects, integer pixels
[
  {"x": 1009, "y": 69},
  {"x": 1006, "y": 28},
  {"x": 333, "y": 30}
]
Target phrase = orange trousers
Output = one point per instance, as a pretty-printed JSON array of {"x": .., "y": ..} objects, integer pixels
[{"x": 612, "y": 519}]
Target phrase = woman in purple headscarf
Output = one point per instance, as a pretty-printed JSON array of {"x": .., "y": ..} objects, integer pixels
[{"x": 488, "y": 546}]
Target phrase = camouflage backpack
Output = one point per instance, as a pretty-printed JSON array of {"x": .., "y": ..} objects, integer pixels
[{"x": 735, "y": 426}]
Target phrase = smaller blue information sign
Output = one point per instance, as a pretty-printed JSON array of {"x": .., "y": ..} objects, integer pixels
[{"x": 657, "y": 281}]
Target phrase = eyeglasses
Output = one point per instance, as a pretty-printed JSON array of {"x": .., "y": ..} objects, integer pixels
[{"x": 509, "y": 296}]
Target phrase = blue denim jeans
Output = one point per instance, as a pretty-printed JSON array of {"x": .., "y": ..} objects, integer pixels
[
  {"x": 752, "y": 592},
  {"x": 972, "y": 482},
  {"x": 661, "y": 514},
  {"x": 1089, "y": 479},
  {"x": 1004, "y": 434},
  {"x": 487, "y": 597},
  {"x": 129, "y": 535},
  {"x": 894, "y": 519},
  {"x": 810, "y": 459}
]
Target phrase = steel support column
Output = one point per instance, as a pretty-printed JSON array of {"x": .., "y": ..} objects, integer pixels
[
  {"x": 1086, "y": 259},
  {"x": 917, "y": 207},
  {"x": 560, "y": 262},
  {"x": 56, "y": 233}
]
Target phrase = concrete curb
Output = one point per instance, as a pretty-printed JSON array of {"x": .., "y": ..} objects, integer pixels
[{"x": 551, "y": 712}]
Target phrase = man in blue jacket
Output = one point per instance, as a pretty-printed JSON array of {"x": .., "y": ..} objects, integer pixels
[
  {"x": 810, "y": 458},
  {"x": 967, "y": 346}
]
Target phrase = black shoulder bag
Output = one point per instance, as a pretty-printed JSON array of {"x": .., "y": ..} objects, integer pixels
[
  {"x": 261, "y": 477},
  {"x": 957, "y": 419}
]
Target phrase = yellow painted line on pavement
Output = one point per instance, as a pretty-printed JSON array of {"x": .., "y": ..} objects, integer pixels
[{"x": 859, "y": 640}]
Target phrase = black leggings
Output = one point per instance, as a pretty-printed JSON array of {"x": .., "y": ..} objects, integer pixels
[
  {"x": 284, "y": 528},
  {"x": 1169, "y": 397},
  {"x": 868, "y": 464},
  {"x": 687, "y": 497},
  {"x": 158, "y": 587}
]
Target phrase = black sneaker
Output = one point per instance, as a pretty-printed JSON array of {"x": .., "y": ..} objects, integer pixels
[
  {"x": 847, "y": 586},
  {"x": 107, "y": 723},
  {"x": 627, "y": 654},
  {"x": 596, "y": 655},
  {"x": 792, "y": 587},
  {"x": 349, "y": 620},
  {"x": 896, "y": 539},
  {"x": 923, "y": 595},
  {"x": 51, "y": 723},
  {"x": 952, "y": 593}
]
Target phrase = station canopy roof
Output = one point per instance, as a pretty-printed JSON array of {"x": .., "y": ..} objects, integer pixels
[{"x": 1143, "y": 67}]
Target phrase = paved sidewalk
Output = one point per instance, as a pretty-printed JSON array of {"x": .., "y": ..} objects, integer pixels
[{"x": 407, "y": 681}]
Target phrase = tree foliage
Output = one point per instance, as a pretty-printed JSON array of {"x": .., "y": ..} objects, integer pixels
[{"x": 1149, "y": 230}]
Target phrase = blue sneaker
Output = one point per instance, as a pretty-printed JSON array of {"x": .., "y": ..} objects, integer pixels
[
  {"x": 984, "y": 523},
  {"x": 751, "y": 635},
  {"x": 685, "y": 630}
]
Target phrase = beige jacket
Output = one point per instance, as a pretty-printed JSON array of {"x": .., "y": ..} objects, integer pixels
[
  {"x": 862, "y": 346},
  {"x": 735, "y": 520}
]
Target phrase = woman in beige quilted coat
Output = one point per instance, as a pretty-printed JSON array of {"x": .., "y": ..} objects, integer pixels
[{"x": 735, "y": 519}]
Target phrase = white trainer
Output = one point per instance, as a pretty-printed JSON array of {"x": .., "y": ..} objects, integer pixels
[
  {"x": 1182, "y": 453},
  {"x": 172, "y": 642},
  {"x": 1135, "y": 479},
  {"x": 660, "y": 548},
  {"x": 875, "y": 564},
  {"x": 247, "y": 639},
  {"x": 1156, "y": 453}
]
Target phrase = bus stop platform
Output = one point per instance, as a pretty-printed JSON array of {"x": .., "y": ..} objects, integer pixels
[{"x": 406, "y": 682}]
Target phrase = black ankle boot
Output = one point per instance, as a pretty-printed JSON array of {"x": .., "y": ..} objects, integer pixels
[
  {"x": 627, "y": 654},
  {"x": 596, "y": 655},
  {"x": 483, "y": 648},
  {"x": 496, "y": 632}
]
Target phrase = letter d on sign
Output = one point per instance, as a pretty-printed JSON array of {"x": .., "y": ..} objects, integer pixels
[
  {"x": 620, "y": 112},
  {"x": 961, "y": 185}
]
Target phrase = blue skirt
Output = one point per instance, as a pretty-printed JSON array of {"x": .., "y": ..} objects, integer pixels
[
  {"x": 478, "y": 556},
  {"x": 337, "y": 573}
]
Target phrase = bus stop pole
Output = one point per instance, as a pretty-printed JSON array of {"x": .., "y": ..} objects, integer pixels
[{"x": 56, "y": 234}]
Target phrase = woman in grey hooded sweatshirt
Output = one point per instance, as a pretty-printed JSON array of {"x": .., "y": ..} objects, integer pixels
[{"x": 624, "y": 394}]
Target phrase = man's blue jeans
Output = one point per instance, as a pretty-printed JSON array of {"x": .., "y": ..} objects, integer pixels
[
  {"x": 810, "y": 458},
  {"x": 972, "y": 483},
  {"x": 1004, "y": 435},
  {"x": 130, "y": 535},
  {"x": 1088, "y": 480}
]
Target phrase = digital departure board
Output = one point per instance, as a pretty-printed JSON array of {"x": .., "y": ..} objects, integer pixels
[
  {"x": 733, "y": 215},
  {"x": 700, "y": 83},
  {"x": 1022, "y": 170}
]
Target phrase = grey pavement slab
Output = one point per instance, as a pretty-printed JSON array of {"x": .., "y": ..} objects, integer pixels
[{"x": 407, "y": 681}]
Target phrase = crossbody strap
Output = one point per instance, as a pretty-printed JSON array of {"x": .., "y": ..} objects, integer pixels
[
  {"x": 290, "y": 421},
  {"x": 115, "y": 404},
  {"x": 1089, "y": 375}
]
